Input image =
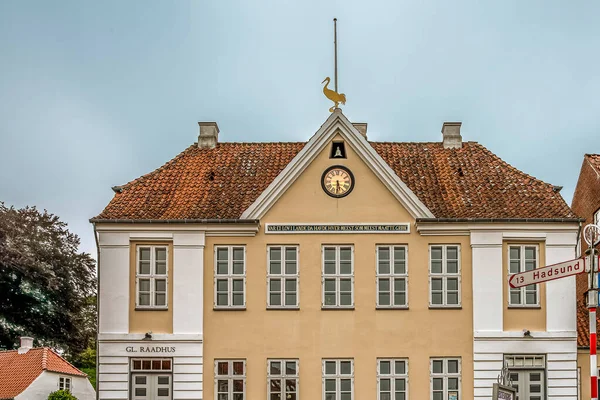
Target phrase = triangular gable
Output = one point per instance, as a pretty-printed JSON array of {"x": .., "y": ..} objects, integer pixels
[{"x": 337, "y": 123}]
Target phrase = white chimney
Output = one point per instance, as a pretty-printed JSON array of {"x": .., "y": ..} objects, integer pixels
[
  {"x": 209, "y": 135},
  {"x": 451, "y": 137},
  {"x": 26, "y": 344},
  {"x": 361, "y": 127}
]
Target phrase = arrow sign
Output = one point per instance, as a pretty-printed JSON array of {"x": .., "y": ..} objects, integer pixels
[{"x": 548, "y": 273}]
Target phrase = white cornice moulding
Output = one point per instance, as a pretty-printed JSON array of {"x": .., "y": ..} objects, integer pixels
[
  {"x": 156, "y": 337},
  {"x": 337, "y": 123},
  {"x": 510, "y": 229},
  {"x": 132, "y": 230},
  {"x": 518, "y": 335}
]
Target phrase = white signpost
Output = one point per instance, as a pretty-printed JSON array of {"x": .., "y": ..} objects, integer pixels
[{"x": 551, "y": 272}]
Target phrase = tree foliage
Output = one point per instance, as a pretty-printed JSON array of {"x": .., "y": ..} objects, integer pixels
[
  {"x": 47, "y": 287},
  {"x": 61, "y": 395}
]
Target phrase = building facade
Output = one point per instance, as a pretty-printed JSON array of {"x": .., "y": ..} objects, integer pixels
[
  {"x": 337, "y": 268},
  {"x": 586, "y": 203}
]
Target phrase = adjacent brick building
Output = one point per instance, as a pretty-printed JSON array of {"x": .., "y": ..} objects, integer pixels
[{"x": 586, "y": 203}]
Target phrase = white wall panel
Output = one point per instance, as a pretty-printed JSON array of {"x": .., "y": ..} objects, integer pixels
[{"x": 487, "y": 280}]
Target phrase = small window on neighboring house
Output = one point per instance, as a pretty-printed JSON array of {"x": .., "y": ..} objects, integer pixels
[
  {"x": 152, "y": 280},
  {"x": 230, "y": 277},
  {"x": 282, "y": 277},
  {"x": 64, "y": 383},
  {"x": 444, "y": 276},
  {"x": 597, "y": 217},
  {"x": 523, "y": 258}
]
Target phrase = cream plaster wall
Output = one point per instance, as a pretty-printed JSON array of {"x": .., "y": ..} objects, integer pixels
[{"x": 364, "y": 333}]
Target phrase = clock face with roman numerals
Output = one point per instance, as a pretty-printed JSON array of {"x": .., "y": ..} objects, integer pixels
[{"x": 337, "y": 181}]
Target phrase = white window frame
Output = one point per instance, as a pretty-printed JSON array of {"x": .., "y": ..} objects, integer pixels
[
  {"x": 392, "y": 276},
  {"x": 444, "y": 275},
  {"x": 392, "y": 376},
  {"x": 230, "y": 276},
  {"x": 445, "y": 375},
  {"x": 337, "y": 276},
  {"x": 230, "y": 377},
  {"x": 65, "y": 383},
  {"x": 523, "y": 290},
  {"x": 338, "y": 376},
  {"x": 596, "y": 217},
  {"x": 153, "y": 276},
  {"x": 283, "y": 276},
  {"x": 283, "y": 377}
]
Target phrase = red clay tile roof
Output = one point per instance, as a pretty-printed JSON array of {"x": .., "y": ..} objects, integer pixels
[
  {"x": 17, "y": 371},
  {"x": 220, "y": 183},
  {"x": 594, "y": 160}
]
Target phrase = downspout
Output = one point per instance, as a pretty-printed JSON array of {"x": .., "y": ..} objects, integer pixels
[{"x": 97, "y": 310}]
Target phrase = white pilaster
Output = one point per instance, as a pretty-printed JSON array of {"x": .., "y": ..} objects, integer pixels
[
  {"x": 560, "y": 293},
  {"x": 188, "y": 272},
  {"x": 114, "y": 282},
  {"x": 487, "y": 281}
]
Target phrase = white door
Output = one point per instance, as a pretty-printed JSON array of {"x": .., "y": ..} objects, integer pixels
[
  {"x": 151, "y": 387},
  {"x": 530, "y": 384}
]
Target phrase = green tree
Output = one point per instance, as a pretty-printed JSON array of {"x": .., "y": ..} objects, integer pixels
[
  {"x": 61, "y": 395},
  {"x": 45, "y": 282}
]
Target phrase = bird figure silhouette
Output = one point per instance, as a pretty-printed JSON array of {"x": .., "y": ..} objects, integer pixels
[{"x": 334, "y": 96}]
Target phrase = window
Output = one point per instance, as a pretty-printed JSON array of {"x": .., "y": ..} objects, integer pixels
[
  {"x": 282, "y": 379},
  {"x": 338, "y": 277},
  {"x": 522, "y": 258},
  {"x": 391, "y": 277},
  {"x": 282, "y": 277},
  {"x": 338, "y": 379},
  {"x": 392, "y": 379},
  {"x": 527, "y": 373},
  {"x": 230, "y": 277},
  {"x": 445, "y": 379},
  {"x": 151, "y": 378},
  {"x": 152, "y": 280},
  {"x": 444, "y": 276},
  {"x": 64, "y": 383},
  {"x": 597, "y": 217},
  {"x": 230, "y": 379}
]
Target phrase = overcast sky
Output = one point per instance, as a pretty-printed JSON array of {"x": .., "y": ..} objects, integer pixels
[{"x": 96, "y": 93}]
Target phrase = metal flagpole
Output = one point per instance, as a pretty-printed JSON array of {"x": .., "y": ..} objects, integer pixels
[{"x": 335, "y": 53}]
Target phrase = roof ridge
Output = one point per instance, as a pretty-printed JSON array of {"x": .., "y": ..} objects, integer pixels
[{"x": 44, "y": 358}]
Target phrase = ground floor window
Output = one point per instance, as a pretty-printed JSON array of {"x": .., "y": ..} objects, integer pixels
[
  {"x": 528, "y": 375},
  {"x": 230, "y": 379},
  {"x": 445, "y": 378},
  {"x": 283, "y": 379},
  {"x": 151, "y": 378},
  {"x": 338, "y": 379},
  {"x": 392, "y": 379}
]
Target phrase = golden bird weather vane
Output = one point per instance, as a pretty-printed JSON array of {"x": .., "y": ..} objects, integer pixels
[{"x": 333, "y": 95}]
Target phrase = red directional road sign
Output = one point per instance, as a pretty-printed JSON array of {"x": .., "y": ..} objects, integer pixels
[{"x": 548, "y": 273}]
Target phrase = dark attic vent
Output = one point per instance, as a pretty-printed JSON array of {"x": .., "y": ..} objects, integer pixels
[
  {"x": 460, "y": 171},
  {"x": 211, "y": 176}
]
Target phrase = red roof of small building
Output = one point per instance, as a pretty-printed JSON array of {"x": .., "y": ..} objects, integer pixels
[
  {"x": 18, "y": 371},
  {"x": 221, "y": 183}
]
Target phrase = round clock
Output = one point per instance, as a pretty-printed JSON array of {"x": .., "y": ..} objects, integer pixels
[{"x": 337, "y": 181}]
